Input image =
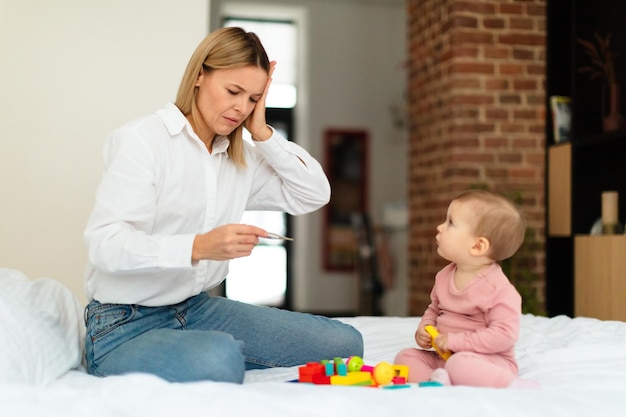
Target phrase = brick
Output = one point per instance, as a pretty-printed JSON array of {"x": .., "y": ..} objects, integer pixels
[
  {"x": 521, "y": 23},
  {"x": 494, "y": 23},
  {"x": 536, "y": 69},
  {"x": 472, "y": 37},
  {"x": 519, "y": 38},
  {"x": 523, "y": 54},
  {"x": 525, "y": 84},
  {"x": 478, "y": 7},
  {"x": 510, "y": 8},
  {"x": 464, "y": 51},
  {"x": 510, "y": 99},
  {"x": 496, "y": 114},
  {"x": 497, "y": 84},
  {"x": 536, "y": 9},
  {"x": 471, "y": 100},
  {"x": 525, "y": 114},
  {"x": 511, "y": 69},
  {"x": 496, "y": 52}
]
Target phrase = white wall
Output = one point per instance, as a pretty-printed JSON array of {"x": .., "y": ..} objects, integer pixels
[
  {"x": 354, "y": 51},
  {"x": 72, "y": 70}
]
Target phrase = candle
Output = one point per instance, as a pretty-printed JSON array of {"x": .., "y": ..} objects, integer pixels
[{"x": 609, "y": 212}]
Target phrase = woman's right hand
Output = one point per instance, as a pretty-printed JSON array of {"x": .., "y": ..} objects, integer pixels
[{"x": 226, "y": 242}]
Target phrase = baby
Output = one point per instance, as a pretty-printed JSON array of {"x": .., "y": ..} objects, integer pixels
[{"x": 474, "y": 307}]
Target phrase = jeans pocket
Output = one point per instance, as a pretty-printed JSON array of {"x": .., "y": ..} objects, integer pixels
[{"x": 104, "y": 318}]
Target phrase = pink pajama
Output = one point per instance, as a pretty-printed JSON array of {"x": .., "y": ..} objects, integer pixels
[
  {"x": 464, "y": 368},
  {"x": 481, "y": 321}
]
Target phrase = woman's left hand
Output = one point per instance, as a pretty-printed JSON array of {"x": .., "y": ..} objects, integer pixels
[{"x": 255, "y": 123}]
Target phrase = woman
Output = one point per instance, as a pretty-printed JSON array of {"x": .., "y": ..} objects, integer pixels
[{"x": 166, "y": 222}]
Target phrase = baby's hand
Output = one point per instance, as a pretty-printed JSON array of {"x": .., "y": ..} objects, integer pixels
[
  {"x": 422, "y": 338},
  {"x": 442, "y": 342}
]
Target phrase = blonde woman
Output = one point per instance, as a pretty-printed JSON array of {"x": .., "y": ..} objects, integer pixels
[{"x": 166, "y": 221}]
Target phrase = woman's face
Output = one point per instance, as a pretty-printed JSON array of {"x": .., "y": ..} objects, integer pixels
[{"x": 226, "y": 97}]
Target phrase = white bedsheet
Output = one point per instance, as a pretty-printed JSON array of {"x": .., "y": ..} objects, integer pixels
[{"x": 579, "y": 363}]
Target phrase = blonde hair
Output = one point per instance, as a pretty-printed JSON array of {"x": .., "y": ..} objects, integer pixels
[
  {"x": 225, "y": 48},
  {"x": 498, "y": 219}
]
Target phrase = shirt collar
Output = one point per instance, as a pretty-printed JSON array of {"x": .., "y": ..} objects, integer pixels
[{"x": 175, "y": 121}]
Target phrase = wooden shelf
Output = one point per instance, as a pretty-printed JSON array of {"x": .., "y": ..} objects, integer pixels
[
  {"x": 600, "y": 276},
  {"x": 560, "y": 186}
]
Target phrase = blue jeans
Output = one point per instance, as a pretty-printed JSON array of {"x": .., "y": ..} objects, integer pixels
[{"x": 209, "y": 338}]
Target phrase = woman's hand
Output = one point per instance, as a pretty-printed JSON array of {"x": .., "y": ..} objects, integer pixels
[
  {"x": 226, "y": 242},
  {"x": 255, "y": 123}
]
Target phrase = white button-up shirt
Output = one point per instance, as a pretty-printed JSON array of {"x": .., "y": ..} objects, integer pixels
[{"x": 161, "y": 187}]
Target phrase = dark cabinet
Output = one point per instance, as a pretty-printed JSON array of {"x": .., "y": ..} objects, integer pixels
[{"x": 594, "y": 158}]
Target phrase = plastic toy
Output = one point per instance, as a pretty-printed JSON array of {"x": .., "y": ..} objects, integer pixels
[
  {"x": 433, "y": 334},
  {"x": 353, "y": 372}
]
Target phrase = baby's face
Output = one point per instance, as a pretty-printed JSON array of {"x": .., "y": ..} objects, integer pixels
[{"x": 455, "y": 236}]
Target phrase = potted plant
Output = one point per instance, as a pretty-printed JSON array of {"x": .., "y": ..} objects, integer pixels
[{"x": 602, "y": 67}]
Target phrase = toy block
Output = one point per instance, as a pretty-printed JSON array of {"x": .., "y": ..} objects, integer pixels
[
  {"x": 330, "y": 368},
  {"x": 367, "y": 368},
  {"x": 321, "y": 379},
  {"x": 433, "y": 334},
  {"x": 401, "y": 371},
  {"x": 342, "y": 369},
  {"x": 394, "y": 386},
  {"x": 398, "y": 380},
  {"x": 430, "y": 384},
  {"x": 352, "y": 378},
  {"x": 306, "y": 372}
]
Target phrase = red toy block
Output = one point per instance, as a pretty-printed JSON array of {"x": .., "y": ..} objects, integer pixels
[
  {"x": 321, "y": 379},
  {"x": 308, "y": 371},
  {"x": 398, "y": 380}
]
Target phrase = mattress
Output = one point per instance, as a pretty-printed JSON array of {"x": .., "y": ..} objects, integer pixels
[{"x": 579, "y": 365}]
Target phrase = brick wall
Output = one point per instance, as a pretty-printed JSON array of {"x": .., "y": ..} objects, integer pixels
[{"x": 476, "y": 92}]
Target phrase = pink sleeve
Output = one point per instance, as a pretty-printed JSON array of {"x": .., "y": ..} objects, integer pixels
[{"x": 432, "y": 311}]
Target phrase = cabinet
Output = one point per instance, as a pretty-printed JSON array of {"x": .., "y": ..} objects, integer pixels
[
  {"x": 600, "y": 277},
  {"x": 594, "y": 159}
]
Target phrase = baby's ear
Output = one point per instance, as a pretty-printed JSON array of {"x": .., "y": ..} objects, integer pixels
[{"x": 481, "y": 246}]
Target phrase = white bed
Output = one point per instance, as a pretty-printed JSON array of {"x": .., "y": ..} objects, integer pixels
[{"x": 580, "y": 365}]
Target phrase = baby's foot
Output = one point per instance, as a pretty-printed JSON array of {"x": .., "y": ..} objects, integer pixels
[{"x": 441, "y": 375}]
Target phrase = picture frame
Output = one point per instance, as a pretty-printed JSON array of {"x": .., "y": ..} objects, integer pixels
[{"x": 561, "y": 118}]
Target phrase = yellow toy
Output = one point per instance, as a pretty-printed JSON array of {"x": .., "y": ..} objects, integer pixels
[{"x": 433, "y": 334}]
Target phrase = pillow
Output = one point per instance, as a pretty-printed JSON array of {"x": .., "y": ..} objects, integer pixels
[{"x": 41, "y": 329}]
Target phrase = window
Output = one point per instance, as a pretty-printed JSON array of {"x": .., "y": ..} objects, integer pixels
[
  {"x": 279, "y": 39},
  {"x": 263, "y": 277}
]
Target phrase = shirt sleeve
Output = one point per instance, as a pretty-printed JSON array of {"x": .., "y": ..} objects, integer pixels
[
  {"x": 118, "y": 234},
  {"x": 287, "y": 178}
]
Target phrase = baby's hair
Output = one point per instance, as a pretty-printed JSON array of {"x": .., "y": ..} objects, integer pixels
[{"x": 498, "y": 219}]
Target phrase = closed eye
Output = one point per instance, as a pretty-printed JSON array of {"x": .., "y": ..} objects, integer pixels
[{"x": 253, "y": 99}]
